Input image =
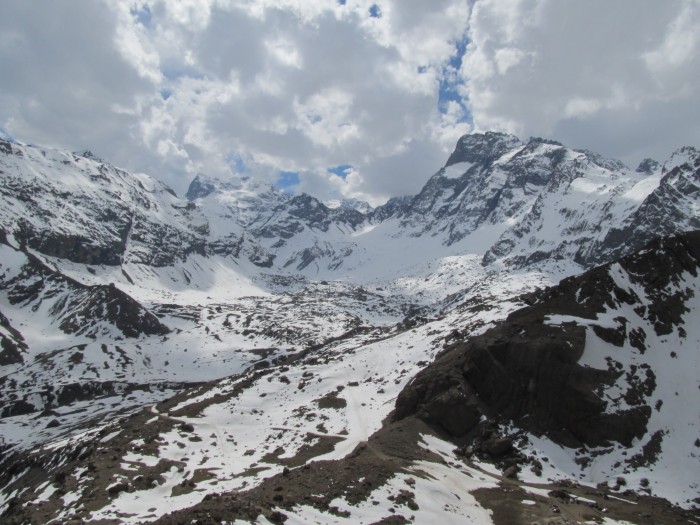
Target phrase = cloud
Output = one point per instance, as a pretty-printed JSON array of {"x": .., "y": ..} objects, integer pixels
[
  {"x": 315, "y": 88},
  {"x": 63, "y": 78},
  {"x": 598, "y": 75},
  {"x": 680, "y": 43},
  {"x": 173, "y": 88},
  {"x": 384, "y": 86}
]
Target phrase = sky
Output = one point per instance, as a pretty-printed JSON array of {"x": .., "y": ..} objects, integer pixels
[{"x": 344, "y": 98}]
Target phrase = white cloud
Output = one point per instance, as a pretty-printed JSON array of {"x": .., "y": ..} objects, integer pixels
[
  {"x": 679, "y": 43},
  {"x": 581, "y": 107},
  {"x": 285, "y": 52},
  {"x": 599, "y": 75},
  {"x": 506, "y": 58},
  {"x": 132, "y": 42},
  {"x": 64, "y": 83},
  {"x": 176, "y": 87},
  {"x": 326, "y": 118}
]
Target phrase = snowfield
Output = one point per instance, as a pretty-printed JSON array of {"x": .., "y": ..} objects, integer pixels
[{"x": 161, "y": 354}]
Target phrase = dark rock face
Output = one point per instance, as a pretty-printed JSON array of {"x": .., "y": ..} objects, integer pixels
[
  {"x": 86, "y": 211},
  {"x": 82, "y": 309},
  {"x": 51, "y": 396},
  {"x": 199, "y": 187},
  {"x": 5, "y": 147},
  {"x": 311, "y": 210},
  {"x": 75, "y": 248},
  {"x": 9, "y": 352},
  {"x": 482, "y": 148},
  {"x": 668, "y": 210},
  {"x": 348, "y": 216},
  {"x": 109, "y": 303},
  {"x": 648, "y": 166},
  {"x": 394, "y": 207},
  {"x": 12, "y": 343},
  {"x": 527, "y": 371}
]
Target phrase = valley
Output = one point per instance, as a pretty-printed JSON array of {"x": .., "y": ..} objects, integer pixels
[{"x": 505, "y": 343}]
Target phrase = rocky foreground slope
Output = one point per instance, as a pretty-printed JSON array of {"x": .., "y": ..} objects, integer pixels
[
  {"x": 603, "y": 364},
  {"x": 409, "y": 363},
  {"x": 579, "y": 406}
]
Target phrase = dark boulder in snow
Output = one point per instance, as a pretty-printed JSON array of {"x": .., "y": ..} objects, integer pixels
[{"x": 527, "y": 370}]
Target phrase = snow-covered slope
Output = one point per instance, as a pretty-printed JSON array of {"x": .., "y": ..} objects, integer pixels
[
  {"x": 668, "y": 207},
  {"x": 516, "y": 203},
  {"x": 597, "y": 213},
  {"x": 600, "y": 374},
  {"x": 289, "y": 327},
  {"x": 584, "y": 198},
  {"x": 310, "y": 440},
  {"x": 287, "y": 231},
  {"x": 83, "y": 210}
]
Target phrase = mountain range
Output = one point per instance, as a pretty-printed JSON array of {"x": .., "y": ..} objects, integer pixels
[{"x": 513, "y": 344}]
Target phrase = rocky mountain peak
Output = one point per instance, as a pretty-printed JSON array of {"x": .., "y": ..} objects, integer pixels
[
  {"x": 648, "y": 166},
  {"x": 306, "y": 206},
  {"x": 603, "y": 162},
  {"x": 289, "y": 327},
  {"x": 200, "y": 187},
  {"x": 540, "y": 140},
  {"x": 482, "y": 148},
  {"x": 687, "y": 158},
  {"x": 88, "y": 155},
  {"x": 355, "y": 204},
  {"x": 395, "y": 206},
  {"x": 204, "y": 185}
]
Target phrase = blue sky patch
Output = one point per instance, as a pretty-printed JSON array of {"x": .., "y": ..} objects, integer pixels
[
  {"x": 143, "y": 16},
  {"x": 341, "y": 171},
  {"x": 237, "y": 165},
  {"x": 374, "y": 11},
  {"x": 175, "y": 74},
  {"x": 5, "y": 135},
  {"x": 461, "y": 46},
  {"x": 287, "y": 180},
  {"x": 450, "y": 81}
]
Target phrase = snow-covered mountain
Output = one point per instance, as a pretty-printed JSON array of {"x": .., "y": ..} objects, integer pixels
[
  {"x": 288, "y": 330},
  {"x": 604, "y": 364},
  {"x": 514, "y": 202}
]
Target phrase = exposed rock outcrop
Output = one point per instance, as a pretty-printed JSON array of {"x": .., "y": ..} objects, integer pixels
[{"x": 527, "y": 370}]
